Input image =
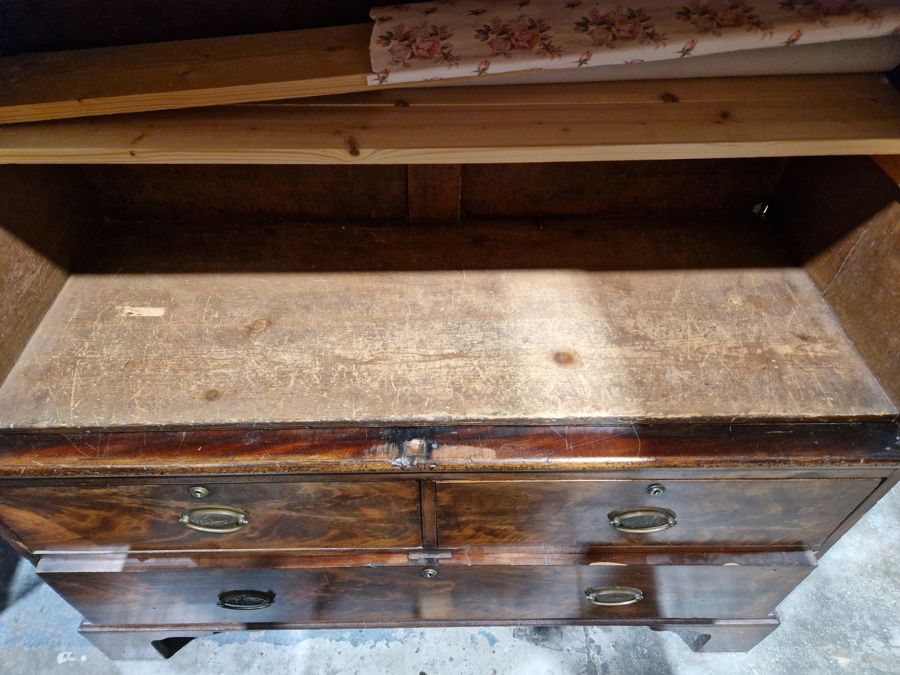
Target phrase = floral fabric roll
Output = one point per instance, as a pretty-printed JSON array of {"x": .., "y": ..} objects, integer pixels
[{"x": 468, "y": 38}]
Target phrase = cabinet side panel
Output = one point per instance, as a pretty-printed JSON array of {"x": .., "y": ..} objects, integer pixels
[
  {"x": 844, "y": 216},
  {"x": 44, "y": 212}
]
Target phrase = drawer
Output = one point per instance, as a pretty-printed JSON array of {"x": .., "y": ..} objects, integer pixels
[
  {"x": 364, "y": 514},
  {"x": 194, "y": 590},
  {"x": 784, "y": 512}
]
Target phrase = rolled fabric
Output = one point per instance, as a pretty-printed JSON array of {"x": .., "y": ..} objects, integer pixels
[{"x": 469, "y": 38}]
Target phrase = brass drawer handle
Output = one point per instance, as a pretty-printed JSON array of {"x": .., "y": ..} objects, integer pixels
[
  {"x": 216, "y": 519},
  {"x": 246, "y": 600},
  {"x": 614, "y": 596},
  {"x": 642, "y": 520}
]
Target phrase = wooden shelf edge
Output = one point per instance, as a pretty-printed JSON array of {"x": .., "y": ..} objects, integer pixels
[{"x": 486, "y": 155}]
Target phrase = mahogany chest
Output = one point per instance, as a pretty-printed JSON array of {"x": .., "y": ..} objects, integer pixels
[{"x": 378, "y": 391}]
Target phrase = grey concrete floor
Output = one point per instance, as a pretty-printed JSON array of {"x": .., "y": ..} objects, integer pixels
[{"x": 845, "y": 618}]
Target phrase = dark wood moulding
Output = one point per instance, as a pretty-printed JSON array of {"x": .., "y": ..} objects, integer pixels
[{"x": 457, "y": 449}]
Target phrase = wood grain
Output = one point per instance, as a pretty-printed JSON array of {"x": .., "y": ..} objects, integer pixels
[
  {"x": 798, "y": 513},
  {"x": 223, "y": 195},
  {"x": 850, "y": 240},
  {"x": 57, "y": 25},
  {"x": 188, "y": 73},
  {"x": 501, "y": 347},
  {"x": 434, "y": 191},
  {"x": 231, "y": 244},
  {"x": 280, "y": 514},
  {"x": 625, "y": 450},
  {"x": 386, "y": 594},
  {"x": 671, "y": 188},
  {"x": 248, "y": 194},
  {"x": 890, "y": 164},
  {"x": 532, "y": 346},
  {"x": 816, "y": 115},
  {"x": 46, "y": 210},
  {"x": 883, "y": 488}
]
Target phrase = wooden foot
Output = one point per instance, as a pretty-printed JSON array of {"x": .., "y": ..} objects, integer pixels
[
  {"x": 723, "y": 636},
  {"x": 126, "y": 643}
]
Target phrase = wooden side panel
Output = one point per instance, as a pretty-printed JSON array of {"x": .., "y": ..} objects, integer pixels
[
  {"x": 279, "y": 515},
  {"x": 844, "y": 216},
  {"x": 392, "y": 594},
  {"x": 44, "y": 210},
  {"x": 229, "y": 194},
  {"x": 688, "y": 187},
  {"x": 799, "y": 513}
]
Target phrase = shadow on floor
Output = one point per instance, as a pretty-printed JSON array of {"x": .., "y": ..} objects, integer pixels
[{"x": 9, "y": 559}]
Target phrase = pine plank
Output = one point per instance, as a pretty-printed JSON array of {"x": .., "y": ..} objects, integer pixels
[
  {"x": 678, "y": 119},
  {"x": 185, "y": 73}
]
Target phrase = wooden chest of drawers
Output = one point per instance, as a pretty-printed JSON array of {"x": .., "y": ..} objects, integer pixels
[{"x": 598, "y": 393}]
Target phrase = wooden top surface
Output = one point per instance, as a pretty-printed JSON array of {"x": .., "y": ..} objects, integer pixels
[
  {"x": 407, "y": 346},
  {"x": 664, "y": 119}
]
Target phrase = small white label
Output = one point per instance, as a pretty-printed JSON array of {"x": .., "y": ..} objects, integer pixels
[{"x": 130, "y": 310}]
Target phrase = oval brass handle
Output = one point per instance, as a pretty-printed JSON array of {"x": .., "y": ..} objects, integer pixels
[
  {"x": 216, "y": 519},
  {"x": 245, "y": 600},
  {"x": 643, "y": 520},
  {"x": 614, "y": 596}
]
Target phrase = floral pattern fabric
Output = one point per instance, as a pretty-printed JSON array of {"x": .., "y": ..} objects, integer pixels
[{"x": 469, "y": 38}]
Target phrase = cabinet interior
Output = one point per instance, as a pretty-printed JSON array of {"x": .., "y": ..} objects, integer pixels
[{"x": 205, "y": 295}]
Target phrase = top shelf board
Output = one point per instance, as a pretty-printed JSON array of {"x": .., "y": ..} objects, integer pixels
[{"x": 674, "y": 119}]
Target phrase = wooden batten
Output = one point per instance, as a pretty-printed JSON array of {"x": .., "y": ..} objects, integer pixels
[
  {"x": 675, "y": 119},
  {"x": 184, "y": 74}
]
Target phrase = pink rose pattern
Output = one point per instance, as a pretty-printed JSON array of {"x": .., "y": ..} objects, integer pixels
[
  {"x": 455, "y": 38},
  {"x": 519, "y": 34},
  {"x": 424, "y": 42},
  {"x": 820, "y": 11},
  {"x": 620, "y": 23},
  {"x": 713, "y": 17}
]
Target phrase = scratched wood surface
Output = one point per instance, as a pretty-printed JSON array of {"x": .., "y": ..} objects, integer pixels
[{"x": 532, "y": 345}]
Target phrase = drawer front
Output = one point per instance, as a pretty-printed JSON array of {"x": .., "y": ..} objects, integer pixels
[
  {"x": 356, "y": 595},
  {"x": 364, "y": 514},
  {"x": 786, "y": 512}
]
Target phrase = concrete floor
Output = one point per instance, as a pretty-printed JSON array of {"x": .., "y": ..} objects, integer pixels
[{"x": 845, "y": 618}]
